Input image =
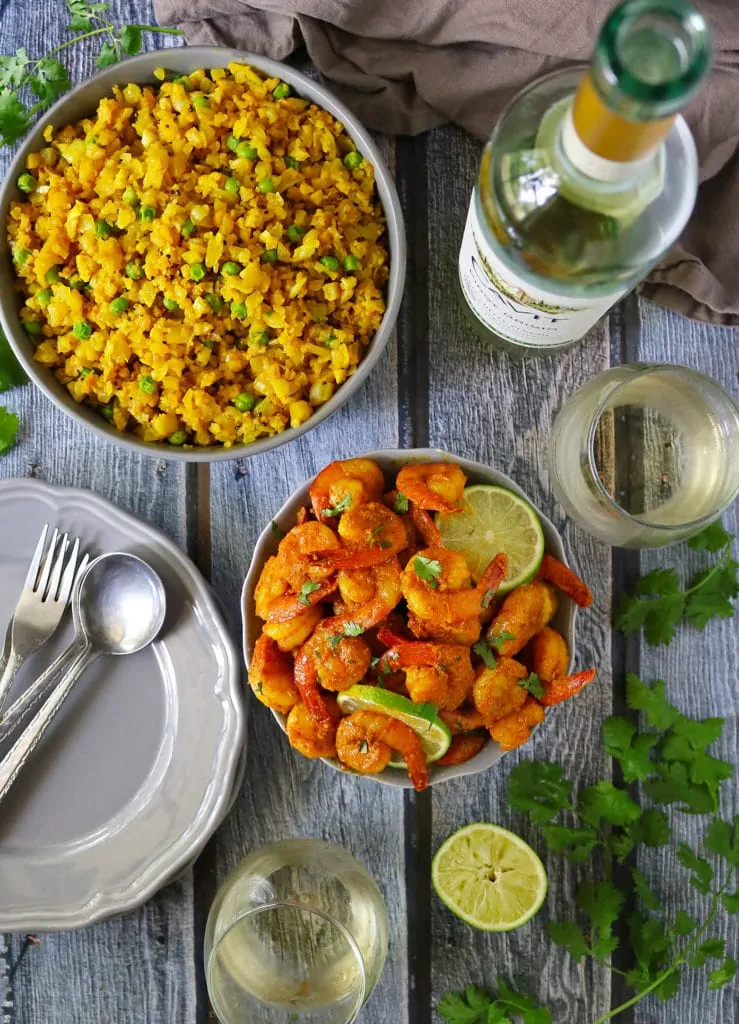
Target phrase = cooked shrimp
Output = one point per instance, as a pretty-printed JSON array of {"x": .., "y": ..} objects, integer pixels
[
  {"x": 565, "y": 687},
  {"x": 556, "y": 572},
  {"x": 291, "y": 605},
  {"x": 309, "y": 739},
  {"x": 548, "y": 655},
  {"x": 344, "y": 485},
  {"x": 496, "y": 692},
  {"x": 332, "y": 659},
  {"x": 359, "y": 587},
  {"x": 270, "y": 586},
  {"x": 514, "y": 730},
  {"x": 365, "y": 741},
  {"x": 441, "y": 673},
  {"x": 303, "y": 541},
  {"x": 427, "y": 528},
  {"x": 387, "y": 593},
  {"x": 294, "y": 632},
  {"x": 271, "y": 676},
  {"x": 464, "y": 719},
  {"x": 302, "y": 516},
  {"x": 465, "y": 631},
  {"x": 437, "y": 486},
  {"x": 462, "y": 749},
  {"x": 523, "y": 614}
]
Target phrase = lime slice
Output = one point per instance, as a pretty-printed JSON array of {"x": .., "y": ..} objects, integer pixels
[
  {"x": 494, "y": 519},
  {"x": 489, "y": 877},
  {"x": 421, "y": 718}
]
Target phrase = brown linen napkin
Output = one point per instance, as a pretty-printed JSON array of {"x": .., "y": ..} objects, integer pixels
[{"x": 405, "y": 66}]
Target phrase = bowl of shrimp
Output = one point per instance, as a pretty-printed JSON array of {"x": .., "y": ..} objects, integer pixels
[{"x": 362, "y": 632}]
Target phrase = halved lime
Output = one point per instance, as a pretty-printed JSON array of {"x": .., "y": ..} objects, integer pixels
[
  {"x": 421, "y": 718},
  {"x": 489, "y": 877},
  {"x": 494, "y": 519}
]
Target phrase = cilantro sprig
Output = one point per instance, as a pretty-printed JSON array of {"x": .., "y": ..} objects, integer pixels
[
  {"x": 349, "y": 629},
  {"x": 475, "y": 1006},
  {"x": 487, "y": 645},
  {"x": 428, "y": 570},
  {"x": 9, "y": 424},
  {"x": 28, "y": 86},
  {"x": 341, "y": 506},
  {"x": 659, "y": 603}
]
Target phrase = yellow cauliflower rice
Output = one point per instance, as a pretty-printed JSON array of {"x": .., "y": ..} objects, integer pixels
[{"x": 203, "y": 261}]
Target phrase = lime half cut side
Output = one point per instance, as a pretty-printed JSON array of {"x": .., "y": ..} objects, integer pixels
[
  {"x": 421, "y": 718},
  {"x": 495, "y": 519},
  {"x": 489, "y": 877}
]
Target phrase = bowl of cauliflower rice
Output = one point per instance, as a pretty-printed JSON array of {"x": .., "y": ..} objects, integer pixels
[{"x": 204, "y": 254}]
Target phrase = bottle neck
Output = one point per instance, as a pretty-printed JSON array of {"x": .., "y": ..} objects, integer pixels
[{"x": 605, "y": 145}]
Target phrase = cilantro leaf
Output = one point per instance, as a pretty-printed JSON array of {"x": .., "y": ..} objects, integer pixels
[
  {"x": 13, "y": 69},
  {"x": 49, "y": 80},
  {"x": 673, "y": 785},
  {"x": 604, "y": 802},
  {"x": 350, "y": 629},
  {"x": 455, "y": 1009},
  {"x": 427, "y": 569},
  {"x": 711, "y": 949},
  {"x": 684, "y": 924},
  {"x": 631, "y": 750},
  {"x": 131, "y": 40},
  {"x": 700, "y": 734},
  {"x": 711, "y": 594},
  {"x": 652, "y": 828},
  {"x": 497, "y": 640},
  {"x": 642, "y": 890},
  {"x": 482, "y": 648},
  {"x": 652, "y": 700},
  {"x": 400, "y": 504},
  {"x": 82, "y": 13},
  {"x": 9, "y": 424},
  {"x": 575, "y": 843},
  {"x": 306, "y": 590},
  {"x": 11, "y": 372},
  {"x": 108, "y": 55},
  {"x": 602, "y": 902},
  {"x": 658, "y": 581},
  {"x": 341, "y": 506},
  {"x": 712, "y": 538},
  {"x": 723, "y": 841},
  {"x": 723, "y": 974},
  {"x": 649, "y": 943},
  {"x": 702, "y": 872},
  {"x": 569, "y": 935},
  {"x": 670, "y": 986},
  {"x": 14, "y": 120},
  {"x": 522, "y": 1005},
  {"x": 731, "y": 902},
  {"x": 540, "y": 788},
  {"x": 277, "y": 532},
  {"x": 532, "y": 685}
]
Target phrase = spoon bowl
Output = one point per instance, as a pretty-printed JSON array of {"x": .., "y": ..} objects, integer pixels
[{"x": 120, "y": 604}]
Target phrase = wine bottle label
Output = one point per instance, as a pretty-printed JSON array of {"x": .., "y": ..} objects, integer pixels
[{"x": 512, "y": 307}]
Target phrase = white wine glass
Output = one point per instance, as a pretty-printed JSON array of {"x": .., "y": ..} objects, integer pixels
[{"x": 297, "y": 934}]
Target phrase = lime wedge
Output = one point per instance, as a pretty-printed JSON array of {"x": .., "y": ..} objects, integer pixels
[
  {"x": 421, "y": 718},
  {"x": 494, "y": 519},
  {"x": 489, "y": 877}
]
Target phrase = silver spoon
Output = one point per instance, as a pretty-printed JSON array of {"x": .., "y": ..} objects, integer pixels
[{"x": 119, "y": 608}]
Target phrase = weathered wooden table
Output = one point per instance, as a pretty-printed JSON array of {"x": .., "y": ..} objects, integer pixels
[{"x": 437, "y": 385}]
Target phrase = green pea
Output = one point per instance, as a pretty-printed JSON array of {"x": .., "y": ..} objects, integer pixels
[
  {"x": 197, "y": 271},
  {"x": 134, "y": 271},
  {"x": 266, "y": 185},
  {"x": 353, "y": 160},
  {"x": 183, "y": 80},
  {"x": 215, "y": 302},
  {"x": 269, "y": 256},
  {"x": 244, "y": 151},
  {"x": 26, "y": 182},
  {"x": 238, "y": 310},
  {"x": 178, "y": 438},
  {"x": 33, "y": 326},
  {"x": 107, "y": 411},
  {"x": 85, "y": 372},
  {"x": 233, "y": 143},
  {"x": 82, "y": 329},
  {"x": 329, "y": 262},
  {"x": 200, "y": 101},
  {"x": 130, "y": 197},
  {"x": 148, "y": 385},
  {"x": 231, "y": 269},
  {"x": 53, "y": 276},
  {"x": 351, "y": 263},
  {"x": 119, "y": 305},
  {"x": 329, "y": 342},
  {"x": 282, "y": 90},
  {"x": 147, "y": 213},
  {"x": 245, "y": 402},
  {"x": 171, "y": 305},
  {"x": 78, "y": 284},
  {"x": 232, "y": 186},
  {"x": 292, "y": 163},
  {"x": 44, "y": 297},
  {"x": 295, "y": 232},
  {"x": 103, "y": 229},
  {"x": 262, "y": 338},
  {"x": 20, "y": 256},
  {"x": 188, "y": 228}
]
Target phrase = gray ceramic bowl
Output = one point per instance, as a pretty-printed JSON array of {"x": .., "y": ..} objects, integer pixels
[
  {"x": 81, "y": 102},
  {"x": 390, "y": 461}
]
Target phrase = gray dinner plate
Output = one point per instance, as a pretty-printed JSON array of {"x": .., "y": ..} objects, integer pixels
[{"x": 142, "y": 763}]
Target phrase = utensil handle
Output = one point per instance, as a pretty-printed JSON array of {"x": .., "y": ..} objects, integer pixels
[
  {"x": 10, "y": 664},
  {"x": 37, "y": 692},
  {"x": 13, "y": 762}
]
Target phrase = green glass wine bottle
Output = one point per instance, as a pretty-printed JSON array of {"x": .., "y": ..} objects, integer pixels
[{"x": 588, "y": 179}]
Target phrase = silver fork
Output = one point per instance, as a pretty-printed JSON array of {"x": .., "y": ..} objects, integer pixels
[{"x": 42, "y": 603}]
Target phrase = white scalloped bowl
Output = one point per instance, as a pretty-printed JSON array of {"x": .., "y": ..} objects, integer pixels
[{"x": 390, "y": 461}]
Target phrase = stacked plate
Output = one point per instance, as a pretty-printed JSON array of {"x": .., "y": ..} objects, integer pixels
[{"x": 144, "y": 759}]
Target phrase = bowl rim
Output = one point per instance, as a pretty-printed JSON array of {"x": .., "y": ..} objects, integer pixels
[
  {"x": 140, "y": 70},
  {"x": 391, "y": 459}
]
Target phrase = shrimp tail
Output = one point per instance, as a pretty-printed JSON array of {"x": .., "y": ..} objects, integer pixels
[
  {"x": 306, "y": 680},
  {"x": 390, "y": 639},
  {"x": 565, "y": 687},
  {"x": 553, "y": 571},
  {"x": 492, "y": 578},
  {"x": 426, "y": 526},
  {"x": 463, "y": 748}
]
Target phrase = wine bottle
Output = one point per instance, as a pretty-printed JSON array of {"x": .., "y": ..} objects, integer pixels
[{"x": 589, "y": 177}]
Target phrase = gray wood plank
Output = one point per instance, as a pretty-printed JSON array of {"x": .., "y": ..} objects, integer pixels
[
  {"x": 137, "y": 967},
  {"x": 285, "y": 795},
  {"x": 498, "y": 409},
  {"x": 700, "y": 670}
]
